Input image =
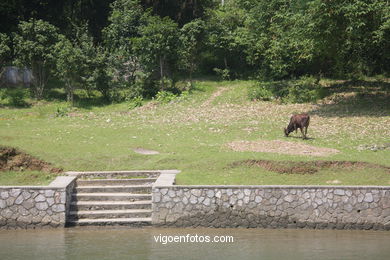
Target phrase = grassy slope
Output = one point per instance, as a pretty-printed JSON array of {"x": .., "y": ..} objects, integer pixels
[{"x": 191, "y": 137}]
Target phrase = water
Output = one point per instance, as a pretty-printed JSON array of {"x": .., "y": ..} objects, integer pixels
[{"x": 123, "y": 243}]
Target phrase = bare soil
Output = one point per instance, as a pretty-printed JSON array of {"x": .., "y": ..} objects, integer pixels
[
  {"x": 216, "y": 94},
  {"x": 288, "y": 167},
  {"x": 281, "y": 147},
  {"x": 145, "y": 151},
  {"x": 11, "y": 159}
]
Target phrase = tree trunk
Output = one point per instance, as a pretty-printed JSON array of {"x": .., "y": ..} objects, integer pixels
[
  {"x": 69, "y": 94},
  {"x": 161, "y": 72}
]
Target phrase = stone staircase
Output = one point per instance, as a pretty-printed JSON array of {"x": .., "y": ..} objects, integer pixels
[{"x": 112, "y": 201}]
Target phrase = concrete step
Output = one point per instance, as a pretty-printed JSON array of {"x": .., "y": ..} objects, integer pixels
[
  {"x": 118, "y": 196},
  {"x": 110, "y": 205},
  {"x": 124, "y": 213},
  {"x": 102, "y": 182},
  {"x": 136, "y": 222},
  {"x": 114, "y": 188}
]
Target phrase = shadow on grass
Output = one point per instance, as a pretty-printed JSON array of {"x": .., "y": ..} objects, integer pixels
[
  {"x": 80, "y": 101},
  {"x": 89, "y": 103},
  {"x": 300, "y": 137},
  {"x": 356, "y": 98}
]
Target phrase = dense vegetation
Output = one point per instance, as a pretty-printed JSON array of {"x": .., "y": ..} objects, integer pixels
[{"x": 128, "y": 49}]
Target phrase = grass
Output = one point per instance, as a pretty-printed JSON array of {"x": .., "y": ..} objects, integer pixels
[
  {"x": 25, "y": 178},
  {"x": 191, "y": 135}
]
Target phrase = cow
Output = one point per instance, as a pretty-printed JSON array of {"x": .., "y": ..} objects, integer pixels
[{"x": 300, "y": 121}]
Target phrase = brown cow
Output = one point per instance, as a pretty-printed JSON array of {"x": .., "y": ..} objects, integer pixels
[{"x": 300, "y": 121}]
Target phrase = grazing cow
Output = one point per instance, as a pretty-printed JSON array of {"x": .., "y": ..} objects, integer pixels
[{"x": 300, "y": 121}]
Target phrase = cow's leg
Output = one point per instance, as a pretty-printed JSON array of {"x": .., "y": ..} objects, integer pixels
[{"x": 303, "y": 133}]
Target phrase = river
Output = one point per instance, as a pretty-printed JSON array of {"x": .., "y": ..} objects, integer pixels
[{"x": 124, "y": 243}]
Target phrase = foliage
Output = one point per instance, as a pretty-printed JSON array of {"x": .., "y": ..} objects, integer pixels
[
  {"x": 156, "y": 48},
  {"x": 5, "y": 50},
  {"x": 191, "y": 39},
  {"x": 135, "y": 102},
  {"x": 34, "y": 45},
  {"x": 224, "y": 74},
  {"x": 226, "y": 36},
  {"x": 260, "y": 91},
  {"x": 14, "y": 97},
  {"x": 76, "y": 62},
  {"x": 142, "y": 47},
  {"x": 165, "y": 96},
  {"x": 62, "y": 111},
  {"x": 303, "y": 90}
]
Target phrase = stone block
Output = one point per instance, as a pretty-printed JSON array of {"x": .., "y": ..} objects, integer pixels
[
  {"x": 41, "y": 206},
  {"x": 4, "y": 195},
  {"x": 40, "y": 198}
]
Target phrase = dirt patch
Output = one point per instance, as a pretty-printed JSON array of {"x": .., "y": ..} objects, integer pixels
[
  {"x": 282, "y": 147},
  {"x": 214, "y": 96},
  {"x": 145, "y": 151},
  {"x": 288, "y": 167},
  {"x": 12, "y": 159}
]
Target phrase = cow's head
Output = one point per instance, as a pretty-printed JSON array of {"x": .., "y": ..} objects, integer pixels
[{"x": 286, "y": 132}]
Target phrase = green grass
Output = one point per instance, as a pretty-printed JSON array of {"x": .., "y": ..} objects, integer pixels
[
  {"x": 25, "y": 178},
  {"x": 192, "y": 136}
]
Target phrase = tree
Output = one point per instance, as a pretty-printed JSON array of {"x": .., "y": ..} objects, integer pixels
[
  {"x": 226, "y": 36},
  {"x": 158, "y": 45},
  {"x": 118, "y": 37},
  {"x": 4, "y": 51},
  {"x": 76, "y": 62},
  {"x": 191, "y": 41},
  {"x": 35, "y": 48}
]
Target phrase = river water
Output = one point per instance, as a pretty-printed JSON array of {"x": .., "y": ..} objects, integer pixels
[{"x": 124, "y": 243}]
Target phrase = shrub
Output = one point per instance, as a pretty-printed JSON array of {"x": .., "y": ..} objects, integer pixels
[
  {"x": 135, "y": 102},
  {"x": 14, "y": 97},
  {"x": 62, "y": 111},
  {"x": 223, "y": 73},
  {"x": 261, "y": 91},
  {"x": 165, "y": 96},
  {"x": 305, "y": 89}
]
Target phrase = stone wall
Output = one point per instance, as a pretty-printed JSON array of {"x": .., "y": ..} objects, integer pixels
[
  {"x": 35, "y": 206},
  {"x": 272, "y": 206}
]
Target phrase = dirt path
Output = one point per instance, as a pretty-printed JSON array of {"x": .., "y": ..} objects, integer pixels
[
  {"x": 12, "y": 159},
  {"x": 311, "y": 167},
  {"x": 282, "y": 147},
  {"x": 216, "y": 94}
]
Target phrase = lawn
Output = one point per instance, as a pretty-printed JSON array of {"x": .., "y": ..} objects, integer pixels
[{"x": 192, "y": 134}]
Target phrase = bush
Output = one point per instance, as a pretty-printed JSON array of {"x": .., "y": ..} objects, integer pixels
[
  {"x": 165, "y": 96},
  {"x": 261, "y": 91},
  {"x": 62, "y": 111},
  {"x": 223, "y": 73},
  {"x": 13, "y": 97},
  {"x": 135, "y": 102},
  {"x": 305, "y": 89}
]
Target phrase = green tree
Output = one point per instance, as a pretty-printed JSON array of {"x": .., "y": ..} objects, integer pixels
[
  {"x": 5, "y": 51},
  {"x": 227, "y": 36},
  {"x": 158, "y": 45},
  {"x": 78, "y": 62},
  {"x": 191, "y": 42},
  {"x": 34, "y": 45},
  {"x": 121, "y": 59}
]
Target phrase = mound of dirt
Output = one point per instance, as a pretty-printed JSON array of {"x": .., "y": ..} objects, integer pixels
[
  {"x": 12, "y": 159},
  {"x": 311, "y": 167},
  {"x": 282, "y": 147}
]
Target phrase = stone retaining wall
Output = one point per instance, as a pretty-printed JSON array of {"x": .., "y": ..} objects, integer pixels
[
  {"x": 272, "y": 206},
  {"x": 35, "y": 206}
]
